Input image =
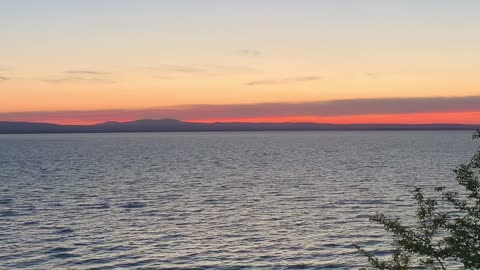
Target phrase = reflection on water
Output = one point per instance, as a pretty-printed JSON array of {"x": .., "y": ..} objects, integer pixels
[{"x": 282, "y": 200}]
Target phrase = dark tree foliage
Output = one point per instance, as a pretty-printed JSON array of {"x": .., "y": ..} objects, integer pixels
[{"x": 447, "y": 229}]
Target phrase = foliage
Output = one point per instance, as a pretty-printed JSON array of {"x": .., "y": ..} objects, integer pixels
[{"x": 447, "y": 228}]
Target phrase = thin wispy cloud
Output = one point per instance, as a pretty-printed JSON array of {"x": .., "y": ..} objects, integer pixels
[
  {"x": 76, "y": 79},
  {"x": 172, "y": 71},
  {"x": 177, "y": 69},
  {"x": 3, "y": 78},
  {"x": 379, "y": 74},
  {"x": 350, "y": 107},
  {"x": 230, "y": 69},
  {"x": 248, "y": 52},
  {"x": 373, "y": 74},
  {"x": 84, "y": 72},
  {"x": 284, "y": 81},
  {"x": 79, "y": 76}
]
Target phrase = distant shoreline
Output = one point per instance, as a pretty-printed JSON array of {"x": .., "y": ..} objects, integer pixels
[{"x": 172, "y": 125}]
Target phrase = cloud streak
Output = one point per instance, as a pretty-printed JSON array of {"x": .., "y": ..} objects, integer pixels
[
  {"x": 248, "y": 52},
  {"x": 3, "y": 78},
  {"x": 77, "y": 79},
  {"x": 84, "y": 72},
  {"x": 198, "y": 70},
  {"x": 79, "y": 76},
  {"x": 177, "y": 69},
  {"x": 284, "y": 81},
  {"x": 334, "y": 108}
]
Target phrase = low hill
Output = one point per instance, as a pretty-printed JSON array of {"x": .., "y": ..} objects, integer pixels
[{"x": 172, "y": 125}]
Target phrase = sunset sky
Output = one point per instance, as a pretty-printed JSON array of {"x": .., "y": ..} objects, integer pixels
[{"x": 338, "y": 61}]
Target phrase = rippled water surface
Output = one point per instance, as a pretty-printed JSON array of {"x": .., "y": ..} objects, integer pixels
[{"x": 251, "y": 200}]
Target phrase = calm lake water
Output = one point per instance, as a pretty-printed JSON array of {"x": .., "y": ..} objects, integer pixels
[{"x": 246, "y": 200}]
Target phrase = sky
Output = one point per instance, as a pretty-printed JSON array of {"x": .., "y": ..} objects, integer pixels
[{"x": 338, "y": 61}]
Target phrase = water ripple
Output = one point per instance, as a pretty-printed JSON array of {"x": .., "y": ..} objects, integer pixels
[{"x": 260, "y": 200}]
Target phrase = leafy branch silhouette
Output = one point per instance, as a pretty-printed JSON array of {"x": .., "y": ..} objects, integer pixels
[{"x": 446, "y": 230}]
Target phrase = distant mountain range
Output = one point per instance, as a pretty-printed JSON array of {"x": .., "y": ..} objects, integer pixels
[{"x": 172, "y": 125}]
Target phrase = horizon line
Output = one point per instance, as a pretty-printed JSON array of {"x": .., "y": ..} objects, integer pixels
[{"x": 241, "y": 122}]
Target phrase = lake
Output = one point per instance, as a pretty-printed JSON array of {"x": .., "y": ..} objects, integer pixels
[{"x": 225, "y": 200}]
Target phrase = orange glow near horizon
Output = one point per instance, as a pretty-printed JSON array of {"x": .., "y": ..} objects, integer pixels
[{"x": 414, "y": 118}]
